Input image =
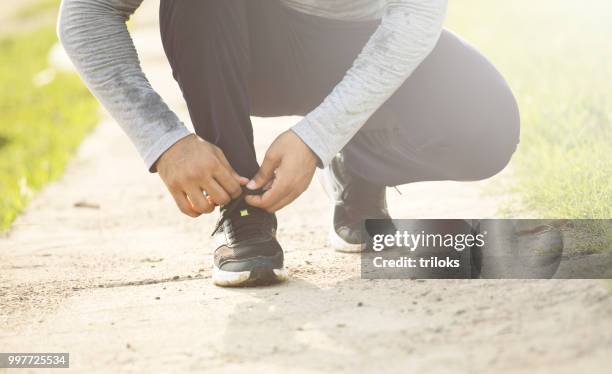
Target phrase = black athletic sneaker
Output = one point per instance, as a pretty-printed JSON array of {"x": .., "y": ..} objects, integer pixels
[
  {"x": 354, "y": 200},
  {"x": 247, "y": 253}
]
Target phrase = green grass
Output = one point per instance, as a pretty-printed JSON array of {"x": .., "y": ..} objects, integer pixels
[
  {"x": 556, "y": 55},
  {"x": 588, "y": 236},
  {"x": 40, "y": 126}
]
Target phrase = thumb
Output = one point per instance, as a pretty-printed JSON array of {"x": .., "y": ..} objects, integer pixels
[{"x": 265, "y": 173}]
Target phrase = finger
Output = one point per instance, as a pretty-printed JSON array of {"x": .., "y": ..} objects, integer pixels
[
  {"x": 183, "y": 204},
  {"x": 216, "y": 192},
  {"x": 271, "y": 197},
  {"x": 228, "y": 183},
  {"x": 241, "y": 180},
  {"x": 265, "y": 172},
  {"x": 254, "y": 200},
  {"x": 199, "y": 202},
  {"x": 284, "y": 202}
]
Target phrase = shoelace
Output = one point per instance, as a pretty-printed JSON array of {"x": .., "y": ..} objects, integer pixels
[{"x": 234, "y": 205}]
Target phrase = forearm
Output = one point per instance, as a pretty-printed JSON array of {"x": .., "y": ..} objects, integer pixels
[
  {"x": 409, "y": 31},
  {"x": 95, "y": 36}
]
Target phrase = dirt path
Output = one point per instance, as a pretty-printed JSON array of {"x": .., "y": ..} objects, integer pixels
[{"x": 123, "y": 283}]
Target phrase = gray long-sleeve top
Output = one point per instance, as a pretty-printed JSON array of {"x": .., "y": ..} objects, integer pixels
[{"x": 95, "y": 36}]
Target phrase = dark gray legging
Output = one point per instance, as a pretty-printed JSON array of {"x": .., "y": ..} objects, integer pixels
[{"x": 455, "y": 118}]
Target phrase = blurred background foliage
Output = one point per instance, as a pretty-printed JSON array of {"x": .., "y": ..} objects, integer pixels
[
  {"x": 557, "y": 57},
  {"x": 44, "y": 113}
]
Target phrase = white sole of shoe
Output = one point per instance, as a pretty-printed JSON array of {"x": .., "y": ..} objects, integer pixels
[
  {"x": 257, "y": 277},
  {"x": 335, "y": 241}
]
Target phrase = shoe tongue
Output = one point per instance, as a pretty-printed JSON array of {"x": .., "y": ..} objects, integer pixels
[
  {"x": 241, "y": 211},
  {"x": 247, "y": 223},
  {"x": 236, "y": 208}
]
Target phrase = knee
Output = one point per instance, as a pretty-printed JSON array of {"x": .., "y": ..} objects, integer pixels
[
  {"x": 493, "y": 162},
  {"x": 497, "y": 144},
  {"x": 489, "y": 147}
]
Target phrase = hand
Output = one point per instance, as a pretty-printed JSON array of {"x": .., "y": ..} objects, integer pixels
[
  {"x": 286, "y": 172},
  {"x": 193, "y": 167}
]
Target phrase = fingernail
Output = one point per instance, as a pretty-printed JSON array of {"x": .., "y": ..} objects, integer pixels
[{"x": 251, "y": 185}]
